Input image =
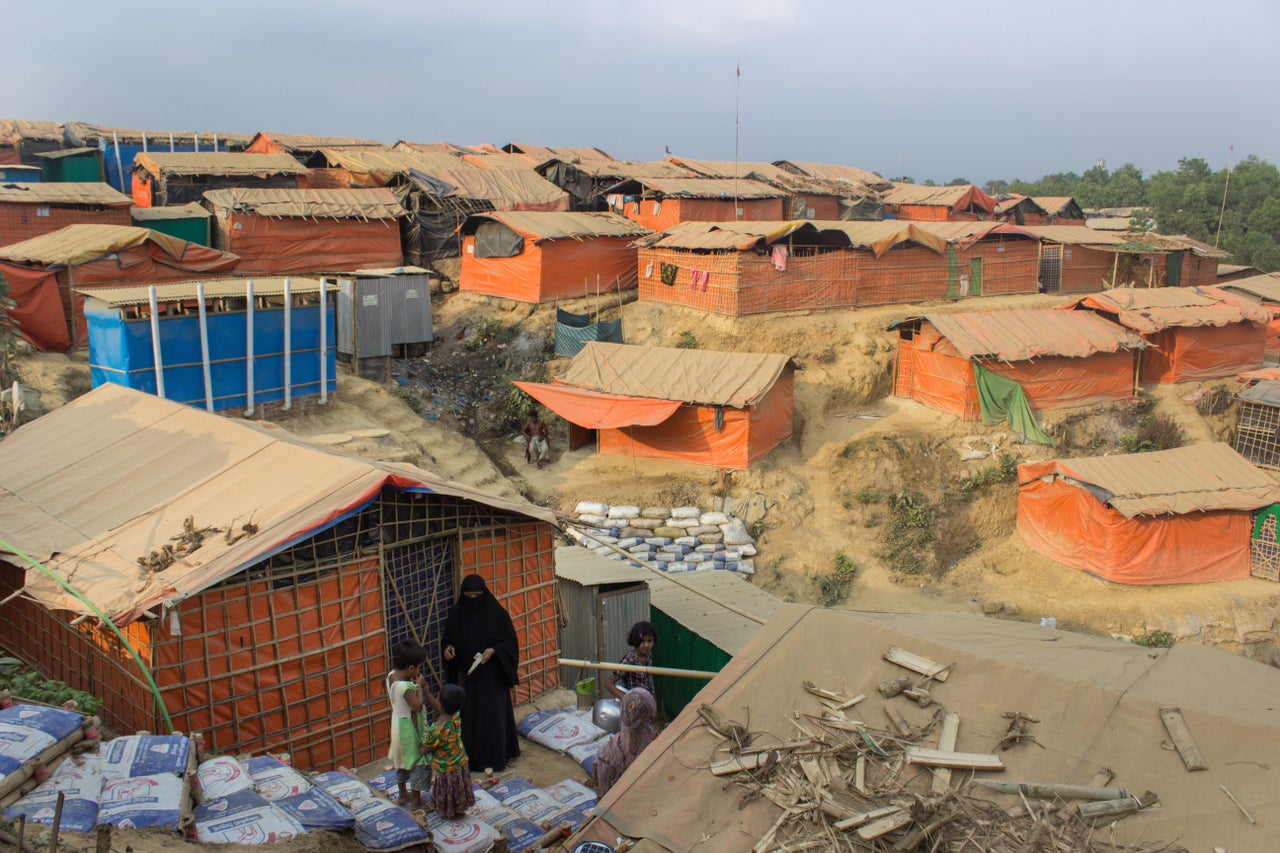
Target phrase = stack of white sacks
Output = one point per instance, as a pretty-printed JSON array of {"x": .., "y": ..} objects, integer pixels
[{"x": 669, "y": 539}]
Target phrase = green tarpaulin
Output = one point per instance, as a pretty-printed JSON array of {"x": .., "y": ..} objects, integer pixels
[
  {"x": 1000, "y": 398},
  {"x": 574, "y": 330}
]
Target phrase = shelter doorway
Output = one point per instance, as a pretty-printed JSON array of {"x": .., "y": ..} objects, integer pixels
[
  {"x": 1173, "y": 269},
  {"x": 975, "y": 277},
  {"x": 579, "y": 436},
  {"x": 419, "y": 591},
  {"x": 904, "y": 369},
  {"x": 1051, "y": 268}
]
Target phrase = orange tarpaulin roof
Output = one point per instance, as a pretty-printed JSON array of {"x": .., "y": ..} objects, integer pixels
[{"x": 598, "y": 409}]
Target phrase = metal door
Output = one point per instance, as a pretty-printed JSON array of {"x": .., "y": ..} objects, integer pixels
[{"x": 618, "y": 612}]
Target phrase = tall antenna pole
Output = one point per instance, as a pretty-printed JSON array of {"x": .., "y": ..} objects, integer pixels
[
  {"x": 736, "y": 100},
  {"x": 1225, "y": 186}
]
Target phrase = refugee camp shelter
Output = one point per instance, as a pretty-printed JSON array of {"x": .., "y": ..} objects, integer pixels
[
  {"x": 17, "y": 173},
  {"x": 383, "y": 312},
  {"x": 1019, "y": 209},
  {"x": 307, "y": 149},
  {"x": 45, "y": 273},
  {"x": 1193, "y": 333},
  {"x": 1096, "y": 702},
  {"x": 542, "y": 257},
  {"x": 807, "y": 197},
  {"x": 1258, "y": 423},
  {"x": 31, "y": 209},
  {"x": 119, "y": 146},
  {"x": 963, "y": 203},
  {"x": 963, "y": 362},
  {"x": 1229, "y": 272},
  {"x": 161, "y": 179},
  {"x": 726, "y": 409},
  {"x": 1169, "y": 516},
  {"x": 72, "y": 165},
  {"x": 228, "y": 345},
  {"x": 588, "y": 181},
  {"x": 600, "y": 600},
  {"x": 1060, "y": 210},
  {"x": 703, "y": 619},
  {"x": 834, "y": 172},
  {"x": 297, "y": 569},
  {"x": 190, "y": 222},
  {"x": 744, "y": 268},
  {"x": 281, "y": 231},
  {"x": 1263, "y": 288},
  {"x": 22, "y": 139},
  {"x": 658, "y": 203}
]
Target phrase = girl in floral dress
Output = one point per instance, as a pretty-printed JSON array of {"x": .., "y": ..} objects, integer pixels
[{"x": 451, "y": 793}]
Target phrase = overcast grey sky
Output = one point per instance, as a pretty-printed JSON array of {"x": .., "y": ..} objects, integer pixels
[{"x": 944, "y": 88}]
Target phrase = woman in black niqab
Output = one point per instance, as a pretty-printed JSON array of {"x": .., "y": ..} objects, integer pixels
[{"x": 479, "y": 625}]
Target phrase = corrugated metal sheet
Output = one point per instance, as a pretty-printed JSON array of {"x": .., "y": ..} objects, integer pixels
[
  {"x": 557, "y": 225},
  {"x": 1266, "y": 287},
  {"x": 595, "y": 625},
  {"x": 364, "y": 317},
  {"x": 1028, "y": 333},
  {"x": 191, "y": 210},
  {"x": 736, "y": 379},
  {"x": 588, "y": 568},
  {"x": 709, "y": 188},
  {"x": 370, "y": 203},
  {"x": 1153, "y": 309},
  {"x": 218, "y": 288},
  {"x": 701, "y": 615},
  {"x": 66, "y": 152},
  {"x": 1199, "y": 478},
  {"x": 225, "y": 163},
  {"x": 62, "y": 193}
]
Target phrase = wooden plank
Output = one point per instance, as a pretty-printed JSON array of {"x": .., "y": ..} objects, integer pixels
[
  {"x": 866, "y": 817},
  {"x": 860, "y": 775},
  {"x": 884, "y": 826},
  {"x": 1116, "y": 808},
  {"x": 1182, "y": 740},
  {"x": 899, "y": 722},
  {"x": 960, "y": 760},
  {"x": 917, "y": 663},
  {"x": 946, "y": 743},
  {"x": 1053, "y": 791},
  {"x": 738, "y": 763}
]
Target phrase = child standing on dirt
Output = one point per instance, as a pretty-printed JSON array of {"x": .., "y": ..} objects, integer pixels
[
  {"x": 405, "y": 688},
  {"x": 451, "y": 793}
]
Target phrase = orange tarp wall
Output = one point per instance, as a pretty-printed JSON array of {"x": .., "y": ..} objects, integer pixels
[
  {"x": 141, "y": 190},
  {"x": 823, "y": 207},
  {"x": 690, "y": 434},
  {"x": 1193, "y": 353},
  {"x": 673, "y": 210},
  {"x": 554, "y": 269},
  {"x": 279, "y": 246},
  {"x": 42, "y": 320},
  {"x": 1008, "y": 266},
  {"x": 20, "y": 222},
  {"x": 929, "y": 213},
  {"x": 941, "y": 379},
  {"x": 1069, "y": 525}
]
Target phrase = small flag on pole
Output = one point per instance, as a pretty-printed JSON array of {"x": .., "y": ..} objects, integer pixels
[
  {"x": 668, "y": 148},
  {"x": 739, "y": 69}
]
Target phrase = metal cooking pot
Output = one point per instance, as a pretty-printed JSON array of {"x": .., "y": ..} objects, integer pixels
[{"x": 607, "y": 715}]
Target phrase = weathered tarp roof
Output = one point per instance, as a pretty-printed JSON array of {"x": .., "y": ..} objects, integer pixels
[
  {"x": 774, "y": 176},
  {"x": 1156, "y": 308},
  {"x": 721, "y": 236},
  {"x": 1097, "y": 701},
  {"x": 1026, "y": 333},
  {"x": 38, "y": 192},
  {"x": 14, "y": 130},
  {"x": 190, "y": 210},
  {"x": 1004, "y": 205},
  {"x": 724, "y": 629},
  {"x": 543, "y": 153},
  {"x": 719, "y": 188},
  {"x": 878, "y": 237},
  {"x": 379, "y": 166},
  {"x": 630, "y": 169},
  {"x": 84, "y": 132},
  {"x": 81, "y": 491},
  {"x": 77, "y": 244},
  {"x": 368, "y": 203},
  {"x": 1197, "y": 478},
  {"x": 558, "y": 225},
  {"x": 1055, "y": 204},
  {"x": 230, "y": 164},
  {"x": 952, "y": 197},
  {"x": 215, "y": 288},
  {"x": 590, "y": 569},
  {"x": 309, "y": 142},
  {"x": 1266, "y": 287},
  {"x": 63, "y": 153},
  {"x": 1115, "y": 240},
  {"x": 1267, "y": 391},
  {"x": 736, "y": 379},
  {"x": 505, "y": 188},
  {"x": 833, "y": 172}
]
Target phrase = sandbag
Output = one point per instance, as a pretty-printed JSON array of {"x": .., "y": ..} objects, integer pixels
[
  {"x": 669, "y": 532},
  {"x": 468, "y": 835},
  {"x": 708, "y": 548},
  {"x": 702, "y": 529},
  {"x": 632, "y": 533},
  {"x": 682, "y": 523},
  {"x": 144, "y": 755},
  {"x": 716, "y": 518},
  {"x": 592, "y": 520},
  {"x": 666, "y": 557},
  {"x": 317, "y": 809},
  {"x": 623, "y": 512},
  {"x": 677, "y": 567},
  {"x": 585, "y": 754},
  {"x": 658, "y": 540},
  {"x": 695, "y": 557},
  {"x": 381, "y": 826},
  {"x": 691, "y": 541},
  {"x": 273, "y": 779},
  {"x": 716, "y": 538},
  {"x": 134, "y": 802},
  {"x": 591, "y": 508},
  {"x": 647, "y": 523},
  {"x": 520, "y": 832},
  {"x": 557, "y": 730},
  {"x": 686, "y": 512},
  {"x": 746, "y": 549},
  {"x": 735, "y": 532},
  {"x": 629, "y": 542},
  {"x": 79, "y": 780},
  {"x": 244, "y": 818},
  {"x": 572, "y": 793},
  {"x": 221, "y": 777},
  {"x": 656, "y": 512}
]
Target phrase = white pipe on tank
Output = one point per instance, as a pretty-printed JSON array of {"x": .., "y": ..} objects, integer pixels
[
  {"x": 155, "y": 341},
  {"x": 248, "y": 347},
  {"x": 288, "y": 347},
  {"x": 324, "y": 347},
  {"x": 204, "y": 349}
]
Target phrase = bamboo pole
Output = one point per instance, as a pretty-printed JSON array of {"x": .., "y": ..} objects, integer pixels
[{"x": 627, "y": 667}]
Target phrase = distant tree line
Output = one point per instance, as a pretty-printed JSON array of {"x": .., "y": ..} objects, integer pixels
[{"x": 1186, "y": 201}]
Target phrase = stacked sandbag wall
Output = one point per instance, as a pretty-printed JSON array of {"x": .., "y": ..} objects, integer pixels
[{"x": 669, "y": 539}]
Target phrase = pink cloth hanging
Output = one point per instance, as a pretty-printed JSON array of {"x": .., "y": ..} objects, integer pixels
[{"x": 779, "y": 257}]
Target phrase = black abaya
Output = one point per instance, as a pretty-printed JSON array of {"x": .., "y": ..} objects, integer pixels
[{"x": 488, "y": 719}]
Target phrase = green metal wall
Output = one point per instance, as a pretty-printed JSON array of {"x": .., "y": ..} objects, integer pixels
[
  {"x": 72, "y": 170},
  {"x": 681, "y": 648},
  {"x": 193, "y": 230}
]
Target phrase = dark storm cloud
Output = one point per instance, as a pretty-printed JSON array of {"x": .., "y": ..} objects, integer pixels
[{"x": 939, "y": 88}]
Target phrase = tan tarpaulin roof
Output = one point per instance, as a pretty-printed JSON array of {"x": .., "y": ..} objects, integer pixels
[
  {"x": 1028, "y": 333},
  {"x": 1006, "y": 204},
  {"x": 106, "y": 479},
  {"x": 958, "y": 196},
  {"x": 557, "y": 225},
  {"x": 77, "y": 244},
  {"x": 506, "y": 188},
  {"x": 543, "y": 153},
  {"x": 630, "y": 169},
  {"x": 1153, "y": 309},
  {"x": 1196, "y": 478},
  {"x": 86, "y": 132},
  {"x": 190, "y": 210},
  {"x": 218, "y": 163},
  {"x": 37, "y": 192},
  {"x": 217, "y": 288},
  {"x": 1097, "y": 703},
  {"x": 832, "y": 172},
  {"x": 370, "y": 203},
  {"x": 726, "y": 188},
  {"x": 721, "y": 236},
  {"x": 878, "y": 237},
  {"x": 736, "y": 379},
  {"x": 14, "y": 130},
  {"x": 1053, "y": 204},
  {"x": 1266, "y": 287},
  {"x": 309, "y": 142},
  {"x": 377, "y": 166}
]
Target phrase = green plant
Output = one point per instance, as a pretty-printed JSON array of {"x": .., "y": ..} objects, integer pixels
[
  {"x": 866, "y": 496},
  {"x": 1004, "y": 471},
  {"x": 757, "y": 528},
  {"x": 833, "y": 588},
  {"x": 687, "y": 341},
  {"x": 410, "y": 398},
  {"x": 909, "y": 537},
  {"x": 486, "y": 330},
  {"x": 1156, "y": 640},
  {"x": 29, "y": 684}
]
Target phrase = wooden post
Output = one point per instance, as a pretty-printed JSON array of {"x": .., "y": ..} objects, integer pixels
[
  {"x": 946, "y": 743},
  {"x": 1182, "y": 740},
  {"x": 57, "y": 822}
]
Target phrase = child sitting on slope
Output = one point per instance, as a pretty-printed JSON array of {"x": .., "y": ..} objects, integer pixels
[{"x": 451, "y": 793}]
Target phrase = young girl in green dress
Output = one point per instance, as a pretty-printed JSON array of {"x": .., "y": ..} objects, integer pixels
[{"x": 405, "y": 689}]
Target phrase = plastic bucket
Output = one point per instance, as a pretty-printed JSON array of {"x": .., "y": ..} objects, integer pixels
[{"x": 586, "y": 690}]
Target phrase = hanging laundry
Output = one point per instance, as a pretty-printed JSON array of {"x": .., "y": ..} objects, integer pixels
[
  {"x": 706, "y": 279},
  {"x": 667, "y": 273},
  {"x": 779, "y": 257},
  {"x": 648, "y": 270},
  {"x": 614, "y": 199},
  {"x": 694, "y": 277}
]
